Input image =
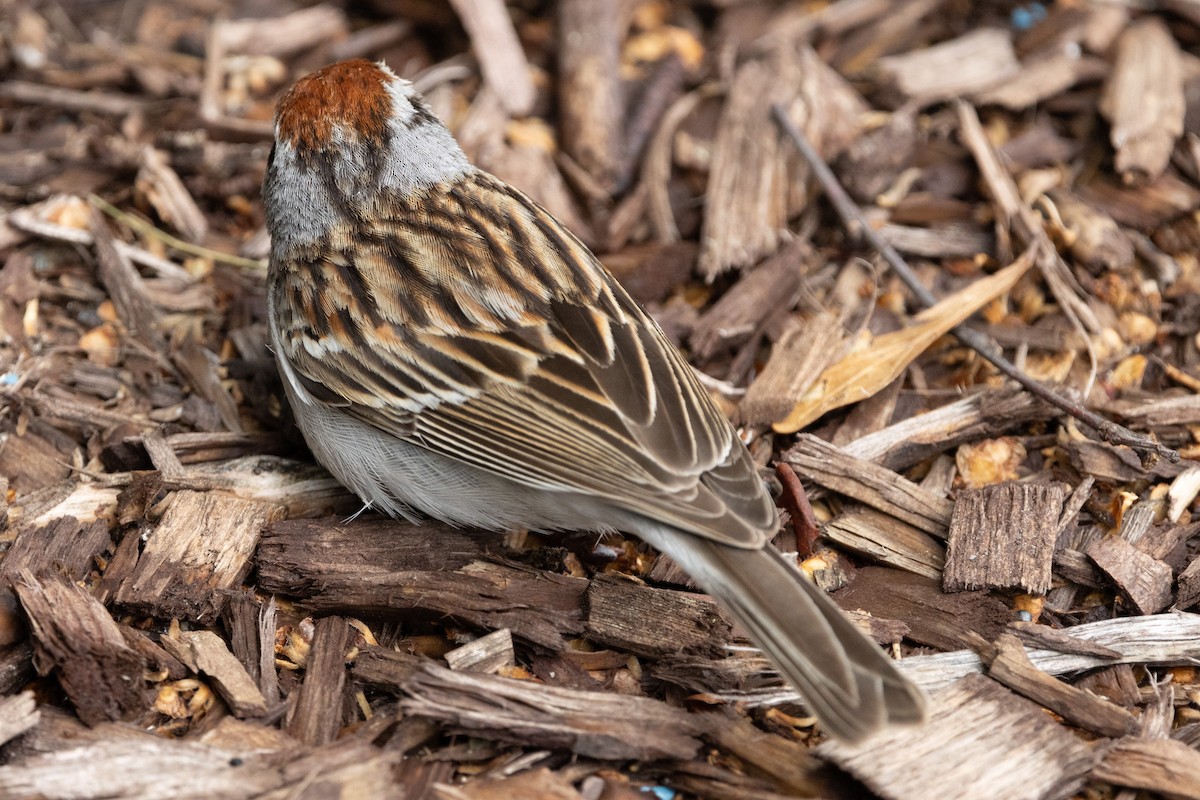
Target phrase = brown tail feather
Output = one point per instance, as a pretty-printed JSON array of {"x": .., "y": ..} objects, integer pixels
[{"x": 847, "y": 681}]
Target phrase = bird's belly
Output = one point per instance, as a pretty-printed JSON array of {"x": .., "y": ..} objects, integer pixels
[{"x": 399, "y": 478}]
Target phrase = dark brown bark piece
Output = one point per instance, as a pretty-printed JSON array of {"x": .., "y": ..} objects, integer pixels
[
  {"x": 76, "y": 639},
  {"x": 1002, "y": 537},
  {"x": 1188, "y": 593},
  {"x": 320, "y": 706},
  {"x": 251, "y": 624},
  {"x": 400, "y": 570},
  {"x": 64, "y": 545},
  {"x": 936, "y": 619},
  {"x": 631, "y": 616}
]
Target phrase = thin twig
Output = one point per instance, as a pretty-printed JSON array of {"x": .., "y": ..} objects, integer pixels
[
  {"x": 146, "y": 229},
  {"x": 856, "y": 222}
]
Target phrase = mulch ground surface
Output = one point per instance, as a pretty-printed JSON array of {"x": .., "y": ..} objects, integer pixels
[{"x": 191, "y": 608}]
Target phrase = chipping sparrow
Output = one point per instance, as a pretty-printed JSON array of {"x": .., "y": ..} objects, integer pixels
[{"x": 449, "y": 348}]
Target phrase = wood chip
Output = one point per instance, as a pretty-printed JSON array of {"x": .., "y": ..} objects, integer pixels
[
  {"x": 206, "y": 654},
  {"x": 1012, "y": 667},
  {"x": 199, "y": 551},
  {"x": 787, "y": 763},
  {"x": 773, "y": 286},
  {"x": 1043, "y": 78},
  {"x": 589, "y": 50},
  {"x": 498, "y": 49},
  {"x": 125, "y": 286},
  {"x": 873, "y": 485},
  {"x": 591, "y": 724},
  {"x": 395, "y": 567},
  {"x": 318, "y": 713},
  {"x": 1143, "y": 100},
  {"x": 974, "y": 62},
  {"x": 939, "y": 620},
  {"x": 536, "y": 784},
  {"x": 799, "y": 356},
  {"x": 1159, "y": 639},
  {"x": 141, "y": 768},
  {"x": 251, "y": 626},
  {"x": 886, "y": 540},
  {"x": 18, "y": 713},
  {"x": 160, "y": 185},
  {"x": 1155, "y": 765},
  {"x": 1002, "y": 537},
  {"x": 980, "y": 741},
  {"x": 746, "y": 201},
  {"x": 64, "y": 545},
  {"x": 78, "y": 641},
  {"x": 647, "y": 621},
  {"x": 1143, "y": 579},
  {"x": 489, "y": 653}
]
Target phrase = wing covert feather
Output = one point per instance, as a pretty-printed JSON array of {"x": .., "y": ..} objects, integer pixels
[{"x": 539, "y": 368}]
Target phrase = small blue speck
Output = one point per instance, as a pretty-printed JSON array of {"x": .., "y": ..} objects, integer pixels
[
  {"x": 9, "y": 379},
  {"x": 1024, "y": 616},
  {"x": 1025, "y": 17},
  {"x": 659, "y": 792}
]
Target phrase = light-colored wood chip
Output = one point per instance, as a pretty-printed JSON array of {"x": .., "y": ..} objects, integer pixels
[
  {"x": 980, "y": 740},
  {"x": 200, "y": 550},
  {"x": 206, "y": 654},
  {"x": 1144, "y": 101}
]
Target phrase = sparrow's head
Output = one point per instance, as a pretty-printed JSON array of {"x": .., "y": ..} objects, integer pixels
[
  {"x": 351, "y": 137},
  {"x": 344, "y": 104}
]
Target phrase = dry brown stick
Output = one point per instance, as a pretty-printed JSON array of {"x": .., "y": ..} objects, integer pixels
[
  {"x": 856, "y": 222},
  {"x": 795, "y": 500}
]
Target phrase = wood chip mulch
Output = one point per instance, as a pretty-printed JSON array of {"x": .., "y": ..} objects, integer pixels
[{"x": 189, "y": 607}]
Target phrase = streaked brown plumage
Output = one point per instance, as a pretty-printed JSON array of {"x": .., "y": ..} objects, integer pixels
[{"x": 449, "y": 348}]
